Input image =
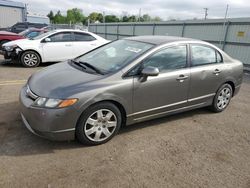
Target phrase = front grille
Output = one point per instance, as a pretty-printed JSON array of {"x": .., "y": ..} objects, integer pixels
[{"x": 30, "y": 94}]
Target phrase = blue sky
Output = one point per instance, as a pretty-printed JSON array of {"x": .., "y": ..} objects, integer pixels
[{"x": 185, "y": 9}]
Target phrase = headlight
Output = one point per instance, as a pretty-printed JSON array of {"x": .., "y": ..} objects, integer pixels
[
  {"x": 10, "y": 48},
  {"x": 53, "y": 103}
]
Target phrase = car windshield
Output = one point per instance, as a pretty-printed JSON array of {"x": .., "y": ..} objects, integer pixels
[
  {"x": 43, "y": 35},
  {"x": 23, "y": 33},
  {"x": 115, "y": 55}
]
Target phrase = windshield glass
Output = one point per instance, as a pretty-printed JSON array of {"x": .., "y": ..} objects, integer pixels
[
  {"x": 23, "y": 33},
  {"x": 43, "y": 35},
  {"x": 115, "y": 55}
]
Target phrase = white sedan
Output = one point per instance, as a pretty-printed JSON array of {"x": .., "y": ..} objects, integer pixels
[{"x": 54, "y": 46}]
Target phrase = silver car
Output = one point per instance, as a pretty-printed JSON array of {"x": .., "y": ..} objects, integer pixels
[{"x": 124, "y": 82}]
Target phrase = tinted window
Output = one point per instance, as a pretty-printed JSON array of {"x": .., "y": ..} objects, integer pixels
[
  {"x": 83, "y": 37},
  {"x": 168, "y": 59},
  {"x": 202, "y": 55},
  {"x": 61, "y": 37},
  {"x": 32, "y": 34}
]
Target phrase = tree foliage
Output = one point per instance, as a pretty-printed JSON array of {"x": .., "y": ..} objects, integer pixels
[{"x": 75, "y": 16}]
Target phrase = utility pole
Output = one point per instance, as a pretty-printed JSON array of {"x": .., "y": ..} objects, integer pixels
[
  {"x": 206, "y": 9},
  {"x": 139, "y": 19},
  {"x": 103, "y": 17},
  {"x": 224, "y": 23}
]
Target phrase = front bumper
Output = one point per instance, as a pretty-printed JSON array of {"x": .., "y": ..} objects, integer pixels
[
  {"x": 53, "y": 124},
  {"x": 14, "y": 54}
]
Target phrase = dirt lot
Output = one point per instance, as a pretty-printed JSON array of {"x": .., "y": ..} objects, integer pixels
[{"x": 193, "y": 149}]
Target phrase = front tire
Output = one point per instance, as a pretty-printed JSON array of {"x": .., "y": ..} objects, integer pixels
[
  {"x": 30, "y": 59},
  {"x": 98, "y": 124},
  {"x": 222, "y": 98}
]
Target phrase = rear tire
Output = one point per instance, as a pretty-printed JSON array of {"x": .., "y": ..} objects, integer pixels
[
  {"x": 222, "y": 98},
  {"x": 30, "y": 59},
  {"x": 98, "y": 124}
]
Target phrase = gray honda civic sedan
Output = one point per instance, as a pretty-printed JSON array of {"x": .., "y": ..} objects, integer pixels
[{"x": 124, "y": 82}]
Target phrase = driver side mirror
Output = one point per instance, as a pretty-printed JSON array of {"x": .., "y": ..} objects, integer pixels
[
  {"x": 150, "y": 71},
  {"x": 47, "y": 40}
]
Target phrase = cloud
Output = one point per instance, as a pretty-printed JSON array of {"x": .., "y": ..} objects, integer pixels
[{"x": 185, "y": 9}]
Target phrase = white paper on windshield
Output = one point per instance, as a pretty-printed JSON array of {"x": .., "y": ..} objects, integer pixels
[
  {"x": 111, "y": 52},
  {"x": 132, "y": 49}
]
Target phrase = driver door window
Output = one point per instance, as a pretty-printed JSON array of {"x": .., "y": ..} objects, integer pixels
[
  {"x": 171, "y": 58},
  {"x": 61, "y": 37}
]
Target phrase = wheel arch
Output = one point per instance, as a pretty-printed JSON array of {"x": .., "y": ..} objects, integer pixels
[
  {"x": 231, "y": 83},
  {"x": 32, "y": 51},
  {"x": 116, "y": 103}
]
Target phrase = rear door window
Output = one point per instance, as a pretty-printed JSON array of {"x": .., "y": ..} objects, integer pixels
[
  {"x": 83, "y": 37},
  {"x": 204, "y": 55}
]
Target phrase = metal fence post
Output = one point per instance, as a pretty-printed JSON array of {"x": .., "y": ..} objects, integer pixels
[
  {"x": 225, "y": 36},
  {"x": 154, "y": 29},
  {"x": 183, "y": 29},
  {"x": 117, "y": 32},
  {"x": 105, "y": 28},
  {"x": 133, "y": 29}
]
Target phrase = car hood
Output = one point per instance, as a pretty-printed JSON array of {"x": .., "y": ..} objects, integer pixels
[
  {"x": 19, "y": 42},
  {"x": 61, "y": 81},
  {"x": 8, "y": 33}
]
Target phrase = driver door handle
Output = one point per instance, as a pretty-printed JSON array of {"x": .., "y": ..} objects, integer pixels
[
  {"x": 217, "y": 71},
  {"x": 181, "y": 78}
]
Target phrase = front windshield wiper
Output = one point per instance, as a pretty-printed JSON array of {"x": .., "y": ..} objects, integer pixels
[{"x": 87, "y": 65}]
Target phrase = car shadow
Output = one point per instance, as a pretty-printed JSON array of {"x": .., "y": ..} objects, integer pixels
[{"x": 16, "y": 140}]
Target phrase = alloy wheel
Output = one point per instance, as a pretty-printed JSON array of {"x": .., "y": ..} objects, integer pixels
[
  {"x": 30, "y": 59},
  {"x": 100, "y": 125},
  {"x": 224, "y": 98}
]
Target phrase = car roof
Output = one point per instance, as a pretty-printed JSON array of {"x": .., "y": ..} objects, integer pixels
[
  {"x": 158, "y": 40},
  {"x": 72, "y": 30}
]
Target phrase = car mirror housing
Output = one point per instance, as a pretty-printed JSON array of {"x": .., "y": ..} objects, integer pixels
[
  {"x": 47, "y": 40},
  {"x": 150, "y": 71}
]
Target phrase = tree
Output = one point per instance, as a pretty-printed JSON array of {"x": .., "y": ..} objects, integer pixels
[
  {"x": 132, "y": 18},
  {"x": 111, "y": 18},
  {"x": 51, "y": 16},
  {"x": 124, "y": 19},
  {"x": 95, "y": 16},
  {"x": 59, "y": 18},
  {"x": 157, "y": 19},
  {"x": 75, "y": 16},
  {"x": 146, "y": 18}
]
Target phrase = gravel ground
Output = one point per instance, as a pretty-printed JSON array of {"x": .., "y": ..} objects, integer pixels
[{"x": 193, "y": 149}]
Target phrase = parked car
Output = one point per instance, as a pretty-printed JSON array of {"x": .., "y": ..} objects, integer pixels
[
  {"x": 21, "y": 26},
  {"x": 53, "y": 46},
  {"x": 6, "y": 36},
  {"x": 125, "y": 82},
  {"x": 33, "y": 32}
]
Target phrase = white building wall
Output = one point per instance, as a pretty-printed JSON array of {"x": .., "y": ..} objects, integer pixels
[{"x": 10, "y": 15}]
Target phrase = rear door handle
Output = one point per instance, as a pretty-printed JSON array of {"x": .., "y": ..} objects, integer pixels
[
  {"x": 181, "y": 78},
  {"x": 68, "y": 45},
  {"x": 217, "y": 71},
  {"x": 93, "y": 44}
]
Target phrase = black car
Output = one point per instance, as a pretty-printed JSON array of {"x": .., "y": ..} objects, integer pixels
[{"x": 21, "y": 26}]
